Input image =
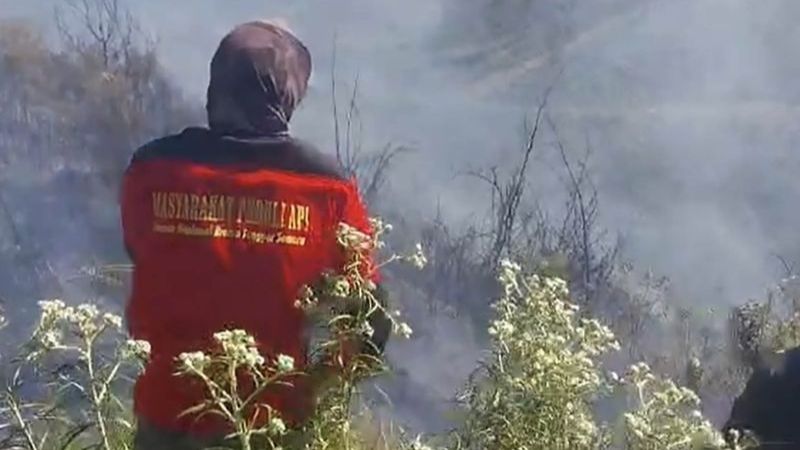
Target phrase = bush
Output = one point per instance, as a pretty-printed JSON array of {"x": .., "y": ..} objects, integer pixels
[{"x": 543, "y": 374}]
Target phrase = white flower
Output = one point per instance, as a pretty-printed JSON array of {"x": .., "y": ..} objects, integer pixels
[
  {"x": 341, "y": 288},
  {"x": 138, "y": 349},
  {"x": 84, "y": 317},
  {"x": 51, "y": 339},
  {"x": 87, "y": 311},
  {"x": 509, "y": 272},
  {"x": 240, "y": 348},
  {"x": 277, "y": 426},
  {"x": 307, "y": 299},
  {"x": 501, "y": 328},
  {"x": 51, "y": 306},
  {"x": 418, "y": 258},
  {"x": 352, "y": 238},
  {"x": 112, "y": 320},
  {"x": 284, "y": 364},
  {"x": 367, "y": 330},
  {"x": 252, "y": 358},
  {"x": 54, "y": 311},
  {"x": 508, "y": 265},
  {"x": 194, "y": 361},
  {"x": 419, "y": 445},
  {"x": 404, "y": 330}
]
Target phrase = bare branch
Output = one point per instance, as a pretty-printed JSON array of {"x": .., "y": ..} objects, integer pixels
[
  {"x": 369, "y": 169},
  {"x": 352, "y": 114},
  {"x": 787, "y": 267},
  {"x": 107, "y": 31},
  {"x": 510, "y": 194},
  {"x": 334, "y": 104},
  {"x": 374, "y": 176}
]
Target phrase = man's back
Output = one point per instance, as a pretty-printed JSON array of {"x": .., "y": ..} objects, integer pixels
[
  {"x": 223, "y": 232},
  {"x": 226, "y": 224}
]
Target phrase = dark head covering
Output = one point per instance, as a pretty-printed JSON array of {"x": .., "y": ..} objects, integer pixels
[{"x": 259, "y": 74}]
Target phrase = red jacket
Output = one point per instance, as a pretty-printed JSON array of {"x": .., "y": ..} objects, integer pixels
[{"x": 223, "y": 232}]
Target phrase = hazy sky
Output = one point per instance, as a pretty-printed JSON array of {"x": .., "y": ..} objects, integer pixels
[{"x": 691, "y": 107}]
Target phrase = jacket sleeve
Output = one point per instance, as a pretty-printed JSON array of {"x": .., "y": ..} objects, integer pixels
[
  {"x": 125, "y": 217},
  {"x": 356, "y": 215},
  {"x": 132, "y": 230}
]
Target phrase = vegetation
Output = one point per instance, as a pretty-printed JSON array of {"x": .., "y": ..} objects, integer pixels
[{"x": 538, "y": 389}]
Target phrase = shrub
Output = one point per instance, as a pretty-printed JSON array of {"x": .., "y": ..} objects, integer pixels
[
  {"x": 80, "y": 404},
  {"x": 545, "y": 376},
  {"x": 543, "y": 373}
]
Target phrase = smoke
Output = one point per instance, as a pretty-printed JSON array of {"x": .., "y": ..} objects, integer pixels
[
  {"x": 690, "y": 107},
  {"x": 693, "y": 116}
]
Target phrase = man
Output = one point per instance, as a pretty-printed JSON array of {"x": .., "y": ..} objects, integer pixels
[
  {"x": 769, "y": 407},
  {"x": 224, "y": 225}
]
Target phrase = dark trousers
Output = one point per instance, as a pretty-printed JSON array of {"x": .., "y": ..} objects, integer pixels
[{"x": 149, "y": 437}]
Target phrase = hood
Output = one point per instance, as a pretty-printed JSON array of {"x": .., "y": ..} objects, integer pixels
[{"x": 259, "y": 74}]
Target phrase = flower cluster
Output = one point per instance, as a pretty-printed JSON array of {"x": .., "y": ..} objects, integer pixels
[
  {"x": 84, "y": 333},
  {"x": 351, "y": 237},
  {"x": 239, "y": 348},
  {"x": 401, "y": 328},
  {"x": 543, "y": 375},
  {"x": 136, "y": 349},
  {"x": 223, "y": 371},
  {"x": 665, "y": 415},
  {"x": 284, "y": 364},
  {"x": 194, "y": 362},
  {"x": 341, "y": 309},
  {"x": 418, "y": 258},
  {"x": 59, "y": 321},
  {"x": 341, "y": 303},
  {"x": 418, "y": 444}
]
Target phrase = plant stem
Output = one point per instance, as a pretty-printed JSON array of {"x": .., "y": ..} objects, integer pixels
[
  {"x": 109, "y": 379},
  {"x": 97, "y": 397},
  {"x": 244, "y": 435},
  {"x": 26, "y": 429}
]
